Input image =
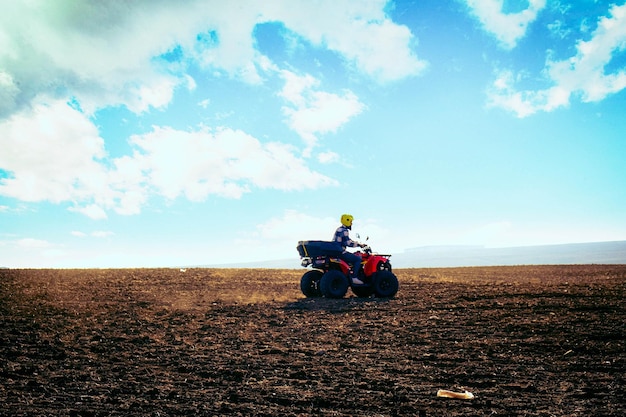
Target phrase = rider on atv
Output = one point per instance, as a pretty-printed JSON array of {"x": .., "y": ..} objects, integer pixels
[
  {"x": 342, "y": 237},
  {"x": 332, "y": 270}
]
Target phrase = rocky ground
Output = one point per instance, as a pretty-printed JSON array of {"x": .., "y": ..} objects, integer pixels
[{"x": 526, "y": 341}]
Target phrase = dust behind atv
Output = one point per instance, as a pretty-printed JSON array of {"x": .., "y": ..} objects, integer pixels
[{"x": 531, "y": 341}]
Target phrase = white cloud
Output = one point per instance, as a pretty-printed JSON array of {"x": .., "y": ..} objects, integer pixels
[
  {"x": 225, "y": 162},
  {"x": 102, "y": 233},
  {"x": 508, "y": 28},
  {"x": 293, "y": 224},
  {"x": 328, "y": 157},
  {"x": 360, "y": 31},
  {"x": 8, "y": 92},
  {"x": 135, "y": 54},
  {"x": 30, "y": 253},
  {"x": 312, "y": 112},
  {"x": 97, "y": 234},
  {"x": 228, "y": 45},
  {"x": 92, "y": 211},
  {"x": 583, "y": 74},
  {"x": 30, "y": 243},
  {"x": 559, "y": 29},
  {"x": 58, "y": 49},
  {"x": 52, "y": 152}
]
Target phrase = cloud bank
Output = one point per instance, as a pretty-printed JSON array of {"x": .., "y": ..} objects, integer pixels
[
  {"x": 586, "y": 75},
  {"x": 61, "y": 62}
]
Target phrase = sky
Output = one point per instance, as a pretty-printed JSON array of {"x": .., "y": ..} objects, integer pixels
[{"x": 153, "y": 133}]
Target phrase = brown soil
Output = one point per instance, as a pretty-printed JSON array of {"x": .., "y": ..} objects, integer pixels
[{"x": 526, "y": 341}]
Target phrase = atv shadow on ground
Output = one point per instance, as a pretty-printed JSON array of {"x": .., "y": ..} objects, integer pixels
[{"x": 333, "y": 305}]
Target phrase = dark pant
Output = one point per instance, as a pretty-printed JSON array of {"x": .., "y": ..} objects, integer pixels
[{"x": 353, "y": 260}]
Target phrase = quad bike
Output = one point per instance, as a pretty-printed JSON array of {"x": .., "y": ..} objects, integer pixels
[{"x": 329, "y": 276}]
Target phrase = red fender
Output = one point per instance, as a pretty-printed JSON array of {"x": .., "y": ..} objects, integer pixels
[
  {"x": 343, "y": 265},
  {"x": 371, "y": 265}
]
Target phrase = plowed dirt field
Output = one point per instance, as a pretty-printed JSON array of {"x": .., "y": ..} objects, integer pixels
[{"x": 526, "y": 341}]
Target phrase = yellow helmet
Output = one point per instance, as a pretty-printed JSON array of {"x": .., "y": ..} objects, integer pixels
[{"x": 346, "y": 220}]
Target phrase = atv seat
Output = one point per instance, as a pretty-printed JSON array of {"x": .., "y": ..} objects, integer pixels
[{"x": 315, "y": 248}]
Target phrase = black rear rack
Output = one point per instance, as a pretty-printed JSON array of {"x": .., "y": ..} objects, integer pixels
[{"x": 315, "y": 248}]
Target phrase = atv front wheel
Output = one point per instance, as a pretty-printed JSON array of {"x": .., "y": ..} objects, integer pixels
[
  {"x": 385, "y": 284},
  {"x": 310, "y": 283},
  {"x": 334, "y": 284},
  {"x": 383, "y": 266}
]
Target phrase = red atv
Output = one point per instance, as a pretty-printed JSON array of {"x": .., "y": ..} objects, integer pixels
[{"x": 330, "y": 276}]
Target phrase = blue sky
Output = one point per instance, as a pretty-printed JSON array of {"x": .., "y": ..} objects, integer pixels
[{"x": 155, "y": 133}]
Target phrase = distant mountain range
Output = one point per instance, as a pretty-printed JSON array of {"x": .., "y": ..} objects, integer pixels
[
  {"x": 574, "y": 253},
  {"x": 454, "y": 256}
]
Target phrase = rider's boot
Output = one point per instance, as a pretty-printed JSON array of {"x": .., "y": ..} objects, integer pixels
[
  {"x": 355, "y": 277},
  {"x": 357, "y": 281}
]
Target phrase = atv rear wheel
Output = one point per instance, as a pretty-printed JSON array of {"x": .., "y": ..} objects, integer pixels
[
  {"x": 310, "y": 283},
  {"x": 385, "y": 284},
  {"x": 334, "y": 284}
]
